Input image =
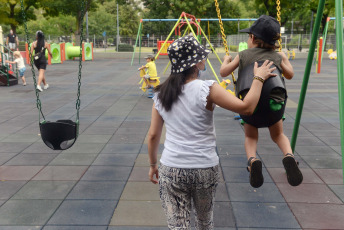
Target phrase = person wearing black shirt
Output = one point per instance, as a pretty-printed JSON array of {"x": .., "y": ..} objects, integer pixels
[{"x": 11, "y": 41}]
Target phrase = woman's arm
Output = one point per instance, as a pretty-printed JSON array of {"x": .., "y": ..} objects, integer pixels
[
  {"x": 33, "y": 46},
  {"x": 224, "y": 99},
  {"x": 154, "y": 135},
  {"x": 48, "y": 48},
  {"x": 288, "y": 71},
  {"x": 228, "y": 66}
]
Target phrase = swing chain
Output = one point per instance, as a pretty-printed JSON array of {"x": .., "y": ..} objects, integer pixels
[
  {"x": 223, "y": 35},
  {"x": 78, "y": 102},
  {"x": 221, "y": 27},
  {"x": 279, "y": 20},
  {"x": 38, "y": 101}
]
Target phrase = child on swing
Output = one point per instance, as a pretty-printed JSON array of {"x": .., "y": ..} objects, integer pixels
[
  {"x": 263, "y": 35},
  {"x": 149, "y": 70}
]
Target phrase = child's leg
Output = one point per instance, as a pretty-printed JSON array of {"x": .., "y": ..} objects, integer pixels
[
  {"x": 251, "y": 139},
  {"x": 23, "y": 79},
  {"x": 277, "y": 135}
]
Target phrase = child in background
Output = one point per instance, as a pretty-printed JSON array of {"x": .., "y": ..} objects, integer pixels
[
  {"x": 263, "y": 35},
  {"x": 149, "y": 70},
  {"x": 20, "y": 63}
]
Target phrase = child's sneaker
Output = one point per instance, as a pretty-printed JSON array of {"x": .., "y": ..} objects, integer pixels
[
  {"x": 24, "y": 84},
  {"x": 39, "y": 88},
  {"x": 294, "y": 174},
  {"x": 46, "y": 86}
]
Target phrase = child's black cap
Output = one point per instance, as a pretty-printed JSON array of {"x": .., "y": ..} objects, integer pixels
[{"x": 265, "y": 28}]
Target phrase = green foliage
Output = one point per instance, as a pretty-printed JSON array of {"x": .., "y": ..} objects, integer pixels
[{"x": 233, "y": 48}]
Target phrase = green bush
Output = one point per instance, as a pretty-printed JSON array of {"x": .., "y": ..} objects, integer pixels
[
  {"x": 125, "y": 48},
  {"x": 233, "y": 48}
]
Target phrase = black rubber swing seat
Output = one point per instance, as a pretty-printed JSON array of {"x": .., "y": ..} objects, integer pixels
[
  {"x": 264, "y": 115},
  {"x": 59, "y": 135}
]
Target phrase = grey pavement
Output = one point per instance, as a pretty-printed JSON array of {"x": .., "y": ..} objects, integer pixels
[{"x": 101, "y": 183}]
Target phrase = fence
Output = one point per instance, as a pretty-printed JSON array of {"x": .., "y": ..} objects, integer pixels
[{"x": 289, "y": 41}]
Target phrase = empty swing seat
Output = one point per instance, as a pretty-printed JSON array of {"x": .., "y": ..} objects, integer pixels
[
  {"x": 269, "y": 109},
  {"x": 59, "y": 135}
]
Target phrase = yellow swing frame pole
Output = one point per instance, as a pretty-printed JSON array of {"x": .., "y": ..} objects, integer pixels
[{"x": 193, "y": 32}]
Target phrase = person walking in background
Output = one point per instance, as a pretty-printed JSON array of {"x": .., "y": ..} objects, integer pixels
[
  {"x": 189, "y": 170},
  {"x": 39, "y": 46},
  {"x": 12, "y": 40},
  {"x": 21, "y": 66}
]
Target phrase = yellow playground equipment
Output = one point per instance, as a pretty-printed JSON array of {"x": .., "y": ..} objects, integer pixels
[{"x": 154, "y": 81}]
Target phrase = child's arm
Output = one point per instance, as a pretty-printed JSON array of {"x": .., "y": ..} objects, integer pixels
[
  {"x": 143, "y": 67},
  {"x": 288, "y": 71},
  {"x": 11, "y": 62},
  {"x": 228, "y": 66}
]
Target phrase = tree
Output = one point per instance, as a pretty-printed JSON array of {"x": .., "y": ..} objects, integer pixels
[{"x": 11, "y": 13}]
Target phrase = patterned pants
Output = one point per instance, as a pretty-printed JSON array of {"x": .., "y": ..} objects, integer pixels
[{"x": 180, "y": 187}]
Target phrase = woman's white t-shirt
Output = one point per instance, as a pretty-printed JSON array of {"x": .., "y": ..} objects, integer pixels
[{"x": 190, "y": 132}]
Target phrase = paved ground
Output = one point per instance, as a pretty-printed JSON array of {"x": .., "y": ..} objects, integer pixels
[{"x": 101, "y": 182}]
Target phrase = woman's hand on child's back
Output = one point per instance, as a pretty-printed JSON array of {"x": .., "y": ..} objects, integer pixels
[{"x": 265, "y": 70}]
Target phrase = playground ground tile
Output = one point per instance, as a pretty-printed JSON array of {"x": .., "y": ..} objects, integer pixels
[
  {"x": 223, "y": 214},
  {"x": 330, "y": 176},
  {"x": 309, "y": 141},
  {"x": 243, "y": 192},
  {"x": 221, "y": 192},
  {"x": 127, "y": 139},
  {"x": 323, "y": 161},
  {"x": 268, "y": 149},
  {"x": 40, "y": 147},
  {"x": 86, "y": 138},
  {"x": 231, "y": 150},
  {"x": 308, "y": 193},
  {"x": 331, "y": 140},
  {"x": 314, "y": 150},
  {"x": 18, "y": 172},
  {"x": 83, "y": 212},
  {"x": 230, "y": 140},
  {"x": 337, "y": 148},
  {"x": 97, "y": 190},
  {"x": 13, "y": 147},
  {"x": 123, "y": 130},
  {"x": 21, "y": 227},
  {"x": 141, "y": 191},
  {"x": 99, "y": 130},
  {"x": 122, "y": 148},
  {"x": 144, "y": 149},
  {"x": 33, "y": 159},
  {"x": 263, "y": 215},
  {"x": 4, "y": 157},
  {"x": 115, "y": 159},
  {"x": 309, "y": 176},
  {"x": 233, "y": 160},
  {"x": 56, "y": 190},
  {"x": 85, "y": 148},
  {"x": 338, "y": 190},
  {"x": 27, "y": 212},
  {"x": 29, "y": 138},
  {"x": 136, "y": 124},
  {"x": 136, "y": 228},
  {"x": 105, "y": 173},
  {"x": 59, "y": 227},
  {"x": 124, "y": 215},
  {"x": 139, "y": 174},
  {"x": 318, "y": 216},
  {"x": 74, "y": 159},
  {"x": 61, "y": 173},
  {"x": 9, "y": 188}
]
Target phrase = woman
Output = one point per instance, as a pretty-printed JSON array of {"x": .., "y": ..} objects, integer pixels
[
  {"x": 40, "y": 61},
  {"x": 189, "y": 162}
]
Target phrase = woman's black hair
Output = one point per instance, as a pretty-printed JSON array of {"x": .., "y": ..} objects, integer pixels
[
  {"x": 40, "y": 40},
  {"x": 170, "y": 90}
]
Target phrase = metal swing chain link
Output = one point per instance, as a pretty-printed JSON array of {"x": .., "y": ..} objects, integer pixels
[
  {"x": 279, "y": 20},
  {"x": 38, "y": 101},
  {"x": 223, "y": 34},
  {"x": 78, "y": 102}
]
